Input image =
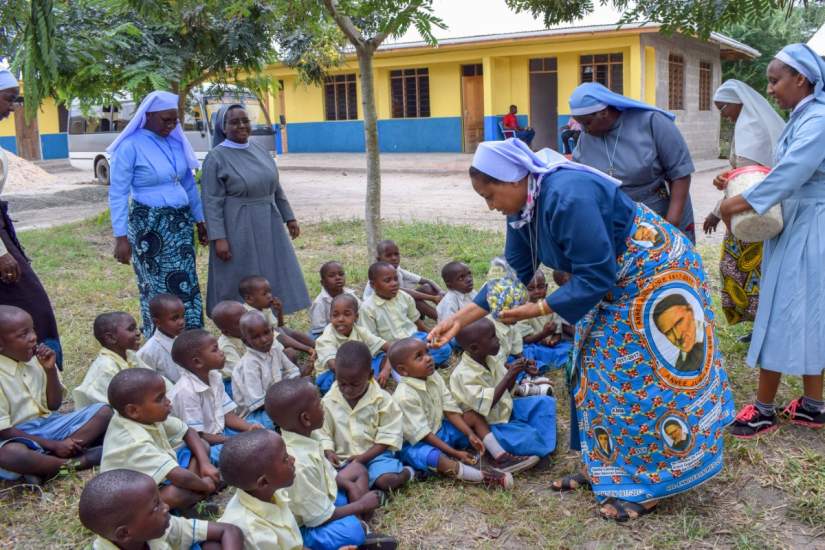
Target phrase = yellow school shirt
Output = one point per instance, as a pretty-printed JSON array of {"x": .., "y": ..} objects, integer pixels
[
  {"x": 267, "y": 313},
  {"x": 534, "y": 325},
  {"x": 181, "y": 534},
  {"x": 390, "y": 319},
  {"x": 146, "y": 448},
  {"x": 265, "y": 525},
  {"x": 509, "y": 336},
  {"x": 423, "y": 404},
  {"x": 312, "y": 494},
  {"x": 326, "y": 346},
  {"x": 474, "y": 384},
  {"x": 95, "y": 385},
  {"x": 375, "y": 420},
  {"x": 233, "y": 349},
  {"x": 22, "y": 391}
]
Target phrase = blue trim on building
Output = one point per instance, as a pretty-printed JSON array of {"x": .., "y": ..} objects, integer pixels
[
  {"x": 54, "y": 146},
  {"x": 492, "y": 130},
  {"x": 340, "y": 136},
  {"x": 420, "y": 135},
  {"x": 279, "y": 146},
  {"x": 9, "y": 143}
]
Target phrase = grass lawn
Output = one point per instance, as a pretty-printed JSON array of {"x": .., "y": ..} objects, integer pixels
[{"x": 770, "y": 495}]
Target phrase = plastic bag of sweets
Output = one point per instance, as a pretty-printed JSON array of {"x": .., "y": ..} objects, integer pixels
[{"x": 504, "y": 290}]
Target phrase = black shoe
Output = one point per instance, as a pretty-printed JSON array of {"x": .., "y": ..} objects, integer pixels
[
  {"x": 798, "y": 414},
  {"x": 377, "y": 541},
  {"x": 751, "y": 423}
]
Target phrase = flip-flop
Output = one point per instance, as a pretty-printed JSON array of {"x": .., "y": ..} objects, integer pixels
[
  {"x": 622, "y": 508},
  {"x": 566, "y": 485}
]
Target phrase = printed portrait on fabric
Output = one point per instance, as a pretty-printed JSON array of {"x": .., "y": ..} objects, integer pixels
[{"x": 674, "y": 431}]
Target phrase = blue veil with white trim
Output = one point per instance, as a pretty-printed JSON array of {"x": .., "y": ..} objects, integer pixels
[{"x": 592, "y": 97}]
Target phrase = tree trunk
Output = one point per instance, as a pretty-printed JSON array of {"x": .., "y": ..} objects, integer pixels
[{"x": 372, "y": 216}]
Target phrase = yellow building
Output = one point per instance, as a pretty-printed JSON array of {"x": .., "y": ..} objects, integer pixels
[
  {"x": 450, "y": 97},
  {"x": 41, "y": 139}
]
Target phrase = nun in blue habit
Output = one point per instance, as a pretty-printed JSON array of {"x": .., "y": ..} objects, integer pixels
[
  {"x": 649, "y": 392},
  {"x": 789, "y": 331},
  {"x": 639, "y": 145},
  {"x": 154, "y": 203}
]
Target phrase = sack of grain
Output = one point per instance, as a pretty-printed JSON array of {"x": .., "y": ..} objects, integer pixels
[{"x": 750, "y": 226}]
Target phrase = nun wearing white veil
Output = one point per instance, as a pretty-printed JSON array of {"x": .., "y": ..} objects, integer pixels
[{"x": 756, "y": 131}]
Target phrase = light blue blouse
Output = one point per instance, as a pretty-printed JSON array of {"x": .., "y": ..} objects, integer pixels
[{"x": 153, "y": 171}]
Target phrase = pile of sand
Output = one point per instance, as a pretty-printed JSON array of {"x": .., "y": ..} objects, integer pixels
[{"x": 27, "y": 177}]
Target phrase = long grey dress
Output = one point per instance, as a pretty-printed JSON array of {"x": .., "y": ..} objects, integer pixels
[{"x": 244, "y": 203}]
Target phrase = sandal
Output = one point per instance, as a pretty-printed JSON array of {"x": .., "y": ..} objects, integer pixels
[
  {"x": 622, "y": 508},
  {"x": 566, "y": 483}
]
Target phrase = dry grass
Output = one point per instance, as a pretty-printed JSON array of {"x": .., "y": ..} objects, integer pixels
[{"x": 770, "y": 495}]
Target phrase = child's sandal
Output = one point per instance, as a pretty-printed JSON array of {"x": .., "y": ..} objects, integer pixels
[
  {"x": 622, "y": 508},
  {"x": 566, "y": 483}
]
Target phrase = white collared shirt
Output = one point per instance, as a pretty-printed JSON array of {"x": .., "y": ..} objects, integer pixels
[
  {"x": 253, "y": 375},
  {"x": 452, "y": 301},
  {"x": 201, "y": 406},
  {"x": 157, "y": 354},
  {"x": 320, "y": 308}
]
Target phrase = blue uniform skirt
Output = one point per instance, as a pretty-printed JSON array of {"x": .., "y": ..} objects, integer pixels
[
  {"x": 650, "y": 392},
  {"x": 163, "y": 256}
]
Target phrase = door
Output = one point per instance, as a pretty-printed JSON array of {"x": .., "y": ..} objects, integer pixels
[
  {"x": 472, "y": 101},
  {"x": 544, "y": 102},
  {"x": 28, "y": 136}
]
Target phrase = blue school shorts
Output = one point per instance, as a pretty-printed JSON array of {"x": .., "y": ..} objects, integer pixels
[
  {"x": 260, "y": 417},
  {"x": 423, "y": 456},
  {"x": 385, "y": 463},
  {"x": 325, "y": 379},
  {"x": 439, "y": 355},
  {"x": 227, "y": 387},
  {"x": 55, "y": 426},
  {"x": 548, "y": 358},
  {"x": 531, "y": 430},
  {"x": 332, "y": 535}
]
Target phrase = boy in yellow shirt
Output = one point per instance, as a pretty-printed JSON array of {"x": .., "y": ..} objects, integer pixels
[
  {"x": 333, "y": 283},
  {"x": 227, "y": 317},
  {"x": 543, "y": 335},
  {"x": 124, "y": 509},
  {"x": 168, "y": 317}
]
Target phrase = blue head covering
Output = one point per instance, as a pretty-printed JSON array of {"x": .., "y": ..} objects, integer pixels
[
  {"x": 511, "y": 160},
  {"x": 7, "y": 80},
  {"x": 592, "y": 97},
  {"x": 802, "y": 58},
  {"x": 219, "y": 122},
  {"x": 152, "y": 103}
]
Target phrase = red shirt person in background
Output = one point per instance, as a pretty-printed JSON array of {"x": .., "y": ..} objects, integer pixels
[{"x": 510, "y": 122}]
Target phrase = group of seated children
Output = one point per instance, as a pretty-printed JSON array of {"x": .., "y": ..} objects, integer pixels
[{"x": 175, "y": 421}]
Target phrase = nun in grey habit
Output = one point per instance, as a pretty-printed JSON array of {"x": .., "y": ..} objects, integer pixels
[{"x": 248, "y": 217}]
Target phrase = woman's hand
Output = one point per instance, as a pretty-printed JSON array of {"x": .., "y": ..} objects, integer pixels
[
  {"x": 294, "y": 229},
  {"x": 527, "y": 311},
  {"x": 732, "y": 206},
  {"x": 721, "y": 181},
  {"x": 711, "y": 222},
  {"x": 222, "y": 250},
  {"x": 123, "y": 250},
  {"x": 444, "y": 331},
  {"x": 9, "y": 269},
  {"x": 203, "y": 237}
]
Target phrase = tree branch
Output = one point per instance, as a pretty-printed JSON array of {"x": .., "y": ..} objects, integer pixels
[
  {"x": 345, "y": 24},
  {"x": 376, "y": 40}
]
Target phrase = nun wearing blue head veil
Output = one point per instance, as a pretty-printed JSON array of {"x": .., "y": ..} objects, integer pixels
[
  {"x": 789, "y": 331},
  {"x": 650, "y": 395},
  {"x": 639, "y": 145},
  {"x": 154, "y": 203}
]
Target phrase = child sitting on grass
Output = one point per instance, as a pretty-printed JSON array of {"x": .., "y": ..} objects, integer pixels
[
  {"x": 227, "y": 317},
  {"x": 168, "y": 317},
  {"x": 561, "y": 278},
  {"x": 459, "y": 280},
  {"x": 333, "y": 281},
  {"x": 124, "y": 509},
  {"x": 258, "y": 465},
  {"x": 257, "y": 294},
  {"x": 391, "y": 314},
  {"x": 361, "y": 421},
  {"x": 482, "y": 385},
  {"x": 543, "y": 335},
  {"x": 423, "y": 291},
  {"x": 327, "y": 504},
  {"x": 435, "y": 434},
  {"x": 35, "y": 440},
  {"x": 119, "y": 338},
  {"x": 262, "y": 365},
  {"x": 198, "y": 397},
  {"x": 143, "y": 437},
  {"x": 344, "y": 328}
]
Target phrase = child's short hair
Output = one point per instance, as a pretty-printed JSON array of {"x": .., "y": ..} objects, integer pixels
[
  {"x": 353, "y": 355},
  {"x": 285, "y": 400},
  {"x": 105, "y": 504},
  {"x": 383, "y": 245},
  {"x": 372, "y": 273},
  {"x": 9, "y": 314},
  {"x": 326, "y": 266},
  {"x": 160, "y": 302},
  {"x": 244, "y": 457},
  {"x": 129, "y": 387},
  {"x": 400, "y": 349},
  {"x": 224, "y": 311},
  {"x": 187, "y": 344},
  {"x": 107, "y": 323},
  {"x": 450, "y": 270},
  {"x": 249, "y": 318},
  {"x": 474, "y": 331},
  {"x": 248, "y": 284},
  {"x": 345, "y": 297}
]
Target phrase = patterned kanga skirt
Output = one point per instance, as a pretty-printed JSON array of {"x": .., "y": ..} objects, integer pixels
[
  {"x": 163, "y": 256},
  {"x": 741, "y": 268},
  {"x": 650, "y": 391}
]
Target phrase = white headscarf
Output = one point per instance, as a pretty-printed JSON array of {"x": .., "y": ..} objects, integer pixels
[
  {"x": 758, "y": 127},
  {"x": 7, "y": 80},
  {"x": 154, "y": 102},
  {"x": 509, "y": 161}
]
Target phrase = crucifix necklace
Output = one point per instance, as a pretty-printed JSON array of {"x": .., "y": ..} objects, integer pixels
[{"x": 611, "y": 157}]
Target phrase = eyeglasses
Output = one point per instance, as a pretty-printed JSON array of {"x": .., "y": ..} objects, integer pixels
[{"x": 16, "y": 100}]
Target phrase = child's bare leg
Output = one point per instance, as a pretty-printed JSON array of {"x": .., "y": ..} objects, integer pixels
[
  {"x": 813, "y": 386},
  {"x": 768, "y": 386},
  {"x": 354, "y": 480},
  {"x": 18, "y": 458},
  {"x": 299, "y": 336},
  {"x": 390, "y": 482},
  {"x": 427, "y": 288},
  {"x": 178, "y": 498},
  {"x": 92, "y": 432},
  {"x": 478, "y": 423}
]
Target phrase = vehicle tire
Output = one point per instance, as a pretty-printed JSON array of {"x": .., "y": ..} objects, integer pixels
[{"x": 102, "y": 171}]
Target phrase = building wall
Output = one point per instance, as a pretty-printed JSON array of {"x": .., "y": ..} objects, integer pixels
[
  {"x": 54, "y": 144},
  {"x": 700, "y": 128}
]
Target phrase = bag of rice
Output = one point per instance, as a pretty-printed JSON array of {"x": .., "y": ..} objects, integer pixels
[
  {"x": 750, "y": 227},
  {"x": 504, "y": 290}
]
